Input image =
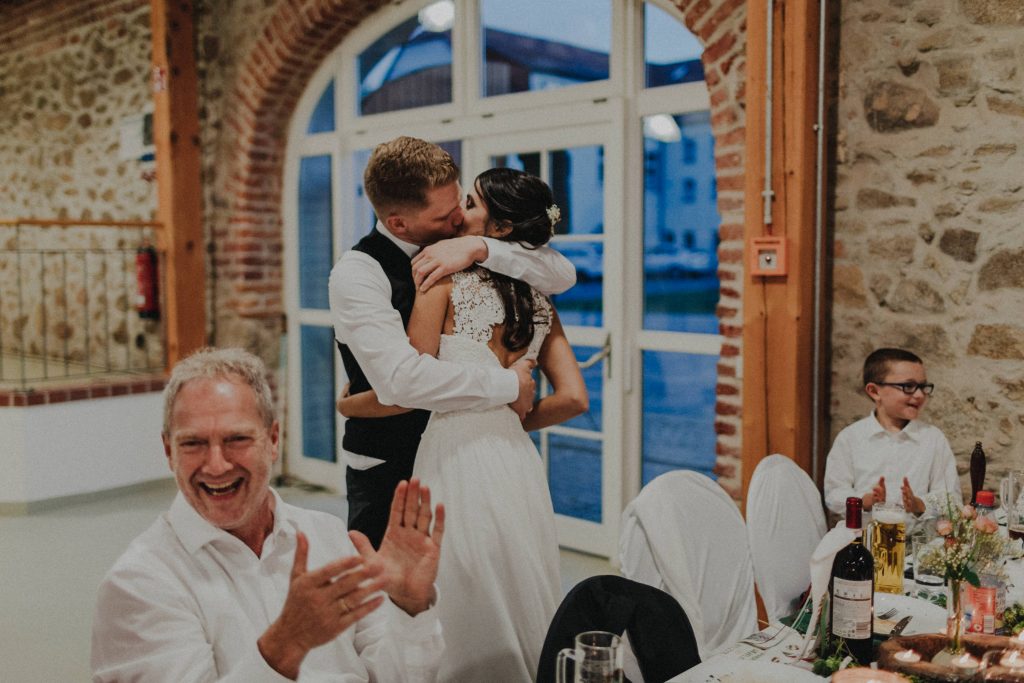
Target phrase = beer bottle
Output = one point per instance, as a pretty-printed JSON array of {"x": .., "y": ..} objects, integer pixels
[{"x": 852, "y": 590}]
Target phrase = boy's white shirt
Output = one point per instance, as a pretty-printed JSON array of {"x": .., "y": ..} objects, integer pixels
[{"x": 865, "y": 451}]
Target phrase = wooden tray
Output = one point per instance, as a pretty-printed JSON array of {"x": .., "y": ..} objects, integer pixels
[{"x": 928, "y": 645}]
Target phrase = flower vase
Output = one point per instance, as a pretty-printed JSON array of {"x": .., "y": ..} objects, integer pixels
[
  {"x": 955, "y": 617},
  {"x": 954, "y": 625}
]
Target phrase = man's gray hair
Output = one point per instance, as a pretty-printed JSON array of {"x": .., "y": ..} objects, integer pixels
[{"x": 230, "y": 363}]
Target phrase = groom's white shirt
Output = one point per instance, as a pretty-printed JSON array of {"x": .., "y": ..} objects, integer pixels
[{"x": 360, "y": 300}]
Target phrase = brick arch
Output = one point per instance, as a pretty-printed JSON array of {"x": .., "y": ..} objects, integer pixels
[
  {"x": 247, "y": 239},
  {"x": 721, "y": 25},
  {"x": 300, "y": 34}
]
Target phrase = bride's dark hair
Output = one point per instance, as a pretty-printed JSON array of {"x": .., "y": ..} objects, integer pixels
[{"x": 522, "y": 203}]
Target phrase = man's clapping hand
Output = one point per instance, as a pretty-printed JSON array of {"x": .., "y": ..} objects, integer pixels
[
  {"x": 320, "y": 605},
  {"x": 411, "y": 549}
]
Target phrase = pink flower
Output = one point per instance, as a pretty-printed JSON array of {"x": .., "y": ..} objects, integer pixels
[
  {"x": 969, "y": 512},
  {"x": 944, "y": 527},
  {"x": 986, "y": 525}
]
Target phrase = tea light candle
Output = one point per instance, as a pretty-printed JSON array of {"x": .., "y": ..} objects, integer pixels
[
  {"x": 862, "y": 674},
  {"x": 907, "y": 656},
  {"x": 966, "y": 663},
  {"x": 1012, "y": 660}
]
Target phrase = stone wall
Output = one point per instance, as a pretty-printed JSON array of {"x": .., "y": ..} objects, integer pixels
[
  {"x": 929, "y": 246},
  {"x": 70, "y": 72}
]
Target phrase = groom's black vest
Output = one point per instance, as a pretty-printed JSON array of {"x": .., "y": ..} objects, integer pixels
[{"x": 396, "y": 437}]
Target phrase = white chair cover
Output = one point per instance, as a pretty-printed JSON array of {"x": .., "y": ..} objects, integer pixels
[
  {"x": 785, "y": 523},
  {"x": 684, "y": 535}
]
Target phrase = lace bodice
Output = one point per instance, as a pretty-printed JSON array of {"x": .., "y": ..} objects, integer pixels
[{"x": 478, "y": 309}]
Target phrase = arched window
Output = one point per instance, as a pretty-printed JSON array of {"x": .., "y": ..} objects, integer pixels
[{"x": 605, "y": 100}]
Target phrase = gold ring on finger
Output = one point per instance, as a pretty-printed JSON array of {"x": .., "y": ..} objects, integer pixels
[{"x": 345, "y": 609}]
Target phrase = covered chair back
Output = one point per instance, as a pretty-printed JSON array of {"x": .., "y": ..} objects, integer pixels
[
  {"x": 785, "y": 523},
  {"x": 654, "y": 624},
  {"x": 684, "y": 535}
]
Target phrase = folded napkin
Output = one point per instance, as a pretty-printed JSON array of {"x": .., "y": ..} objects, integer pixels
[{"x": 821, "y": 570}]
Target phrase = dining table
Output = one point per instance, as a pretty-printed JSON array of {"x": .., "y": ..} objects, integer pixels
[{"x": 774, "y": 654}]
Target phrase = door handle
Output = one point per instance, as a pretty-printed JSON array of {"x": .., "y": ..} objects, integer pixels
[{"x": 599, "y": 355}]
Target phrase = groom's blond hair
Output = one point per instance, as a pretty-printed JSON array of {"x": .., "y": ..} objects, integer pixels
[{"x": 400, "y": 172}]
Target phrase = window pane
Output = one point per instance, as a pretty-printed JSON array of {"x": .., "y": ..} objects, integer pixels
[
  {"x": 362, "y": 213},
  {"x": 454, "y": 148},
  {"x": 680, "y": 224},
  {"x": 582, "y": 304},
  {"x": 576, "y": 177},
  {"x": 540, "y": 45},
  {"x": 316, "y": 250},
  {"x": 363, "y": 217},
  {"x": 671, "y": 53},
  {"x": 574, "y": 475},
  {"x": 322, "y": 118},
  {"x": 525, "y": 161},
  {"x": 679, "y": 413},
  {"x": 593, "y": 378},
  {"x": 577, "y": 181},
  {"x": 318, "y": 417},
  {"x": 409, "y": 66}
]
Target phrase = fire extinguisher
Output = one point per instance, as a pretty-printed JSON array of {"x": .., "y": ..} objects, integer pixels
[{"x": 147, "y": 302}]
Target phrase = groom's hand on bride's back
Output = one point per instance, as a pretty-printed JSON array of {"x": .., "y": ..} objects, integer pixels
[{"x": 527, "y": 386}]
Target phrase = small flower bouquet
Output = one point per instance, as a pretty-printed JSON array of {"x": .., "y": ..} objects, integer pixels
[{"x": 969, "y": 546}]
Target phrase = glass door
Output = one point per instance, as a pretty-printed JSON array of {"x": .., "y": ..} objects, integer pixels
[{"x": 582, "y": 455}]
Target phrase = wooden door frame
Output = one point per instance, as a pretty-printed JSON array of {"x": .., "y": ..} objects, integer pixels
[
  {"x": 779, "y": 311},
  {"x": 175, "y": 85}
]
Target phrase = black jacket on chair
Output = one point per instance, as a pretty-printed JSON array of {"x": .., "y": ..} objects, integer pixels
[{"x": 659, "y": 630}]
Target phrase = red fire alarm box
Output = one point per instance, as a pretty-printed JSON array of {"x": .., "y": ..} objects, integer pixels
[{"x": 768, "y": 256}]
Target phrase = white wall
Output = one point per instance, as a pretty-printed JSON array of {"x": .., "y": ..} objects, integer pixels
[{"x": 80, "y": 447}]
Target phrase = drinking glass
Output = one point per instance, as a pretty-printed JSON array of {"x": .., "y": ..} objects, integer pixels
[
  {"x": 1010, "y": 490},
  {"x": 928, "y": 577},
  {"x": 888, "y": 546},
  {"x": 597, "y": 657}
]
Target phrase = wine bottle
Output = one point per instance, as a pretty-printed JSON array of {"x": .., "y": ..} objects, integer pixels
[
  {"x": 852, "y": 591},
  {"x": 977, "y": 471}
]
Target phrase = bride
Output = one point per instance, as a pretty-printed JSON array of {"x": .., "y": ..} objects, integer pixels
[{"x": 499, "y": 574}]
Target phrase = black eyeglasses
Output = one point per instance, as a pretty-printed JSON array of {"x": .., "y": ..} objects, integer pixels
[{"x": 910, "y": 387}]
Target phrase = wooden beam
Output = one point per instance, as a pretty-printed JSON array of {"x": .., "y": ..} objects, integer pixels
[
  {"x": 179, "y": 186},
  {"x": 779, "y": 310}
]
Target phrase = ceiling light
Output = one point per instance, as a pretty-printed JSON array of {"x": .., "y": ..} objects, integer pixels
[
  {"x": 438, "y": 16},
  {"x": 661, "y": 127}
]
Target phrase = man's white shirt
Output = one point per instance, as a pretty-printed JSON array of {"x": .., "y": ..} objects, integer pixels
[
  {"x": 188, "y": 602},
  {"x": 364, "y": 320}
]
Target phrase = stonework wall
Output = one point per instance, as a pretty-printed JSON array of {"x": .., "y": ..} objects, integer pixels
[
  {"x": 70, "y": 72},
  {"x": 929, "y": 245}
]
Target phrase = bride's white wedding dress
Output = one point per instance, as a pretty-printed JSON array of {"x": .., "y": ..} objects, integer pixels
[{"x": 498, "y": 580}]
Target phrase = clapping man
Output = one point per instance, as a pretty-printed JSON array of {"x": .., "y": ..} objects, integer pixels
[{"x": 232, "y": 583}]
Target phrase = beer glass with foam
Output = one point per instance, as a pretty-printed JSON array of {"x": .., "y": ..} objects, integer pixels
[{"x": 888, "y": 546}]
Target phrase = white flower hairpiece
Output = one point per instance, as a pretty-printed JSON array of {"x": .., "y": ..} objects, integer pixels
[{"x": 554, "y": 214}]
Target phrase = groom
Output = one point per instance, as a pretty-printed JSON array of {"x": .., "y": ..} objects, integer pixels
[{"x": 414, "y": 188}]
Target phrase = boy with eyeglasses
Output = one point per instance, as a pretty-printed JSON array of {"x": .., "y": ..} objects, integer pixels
[{"x": 891, "y": 447}]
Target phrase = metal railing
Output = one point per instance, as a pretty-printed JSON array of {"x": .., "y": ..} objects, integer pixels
[{"x": 68, "y": 310}]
